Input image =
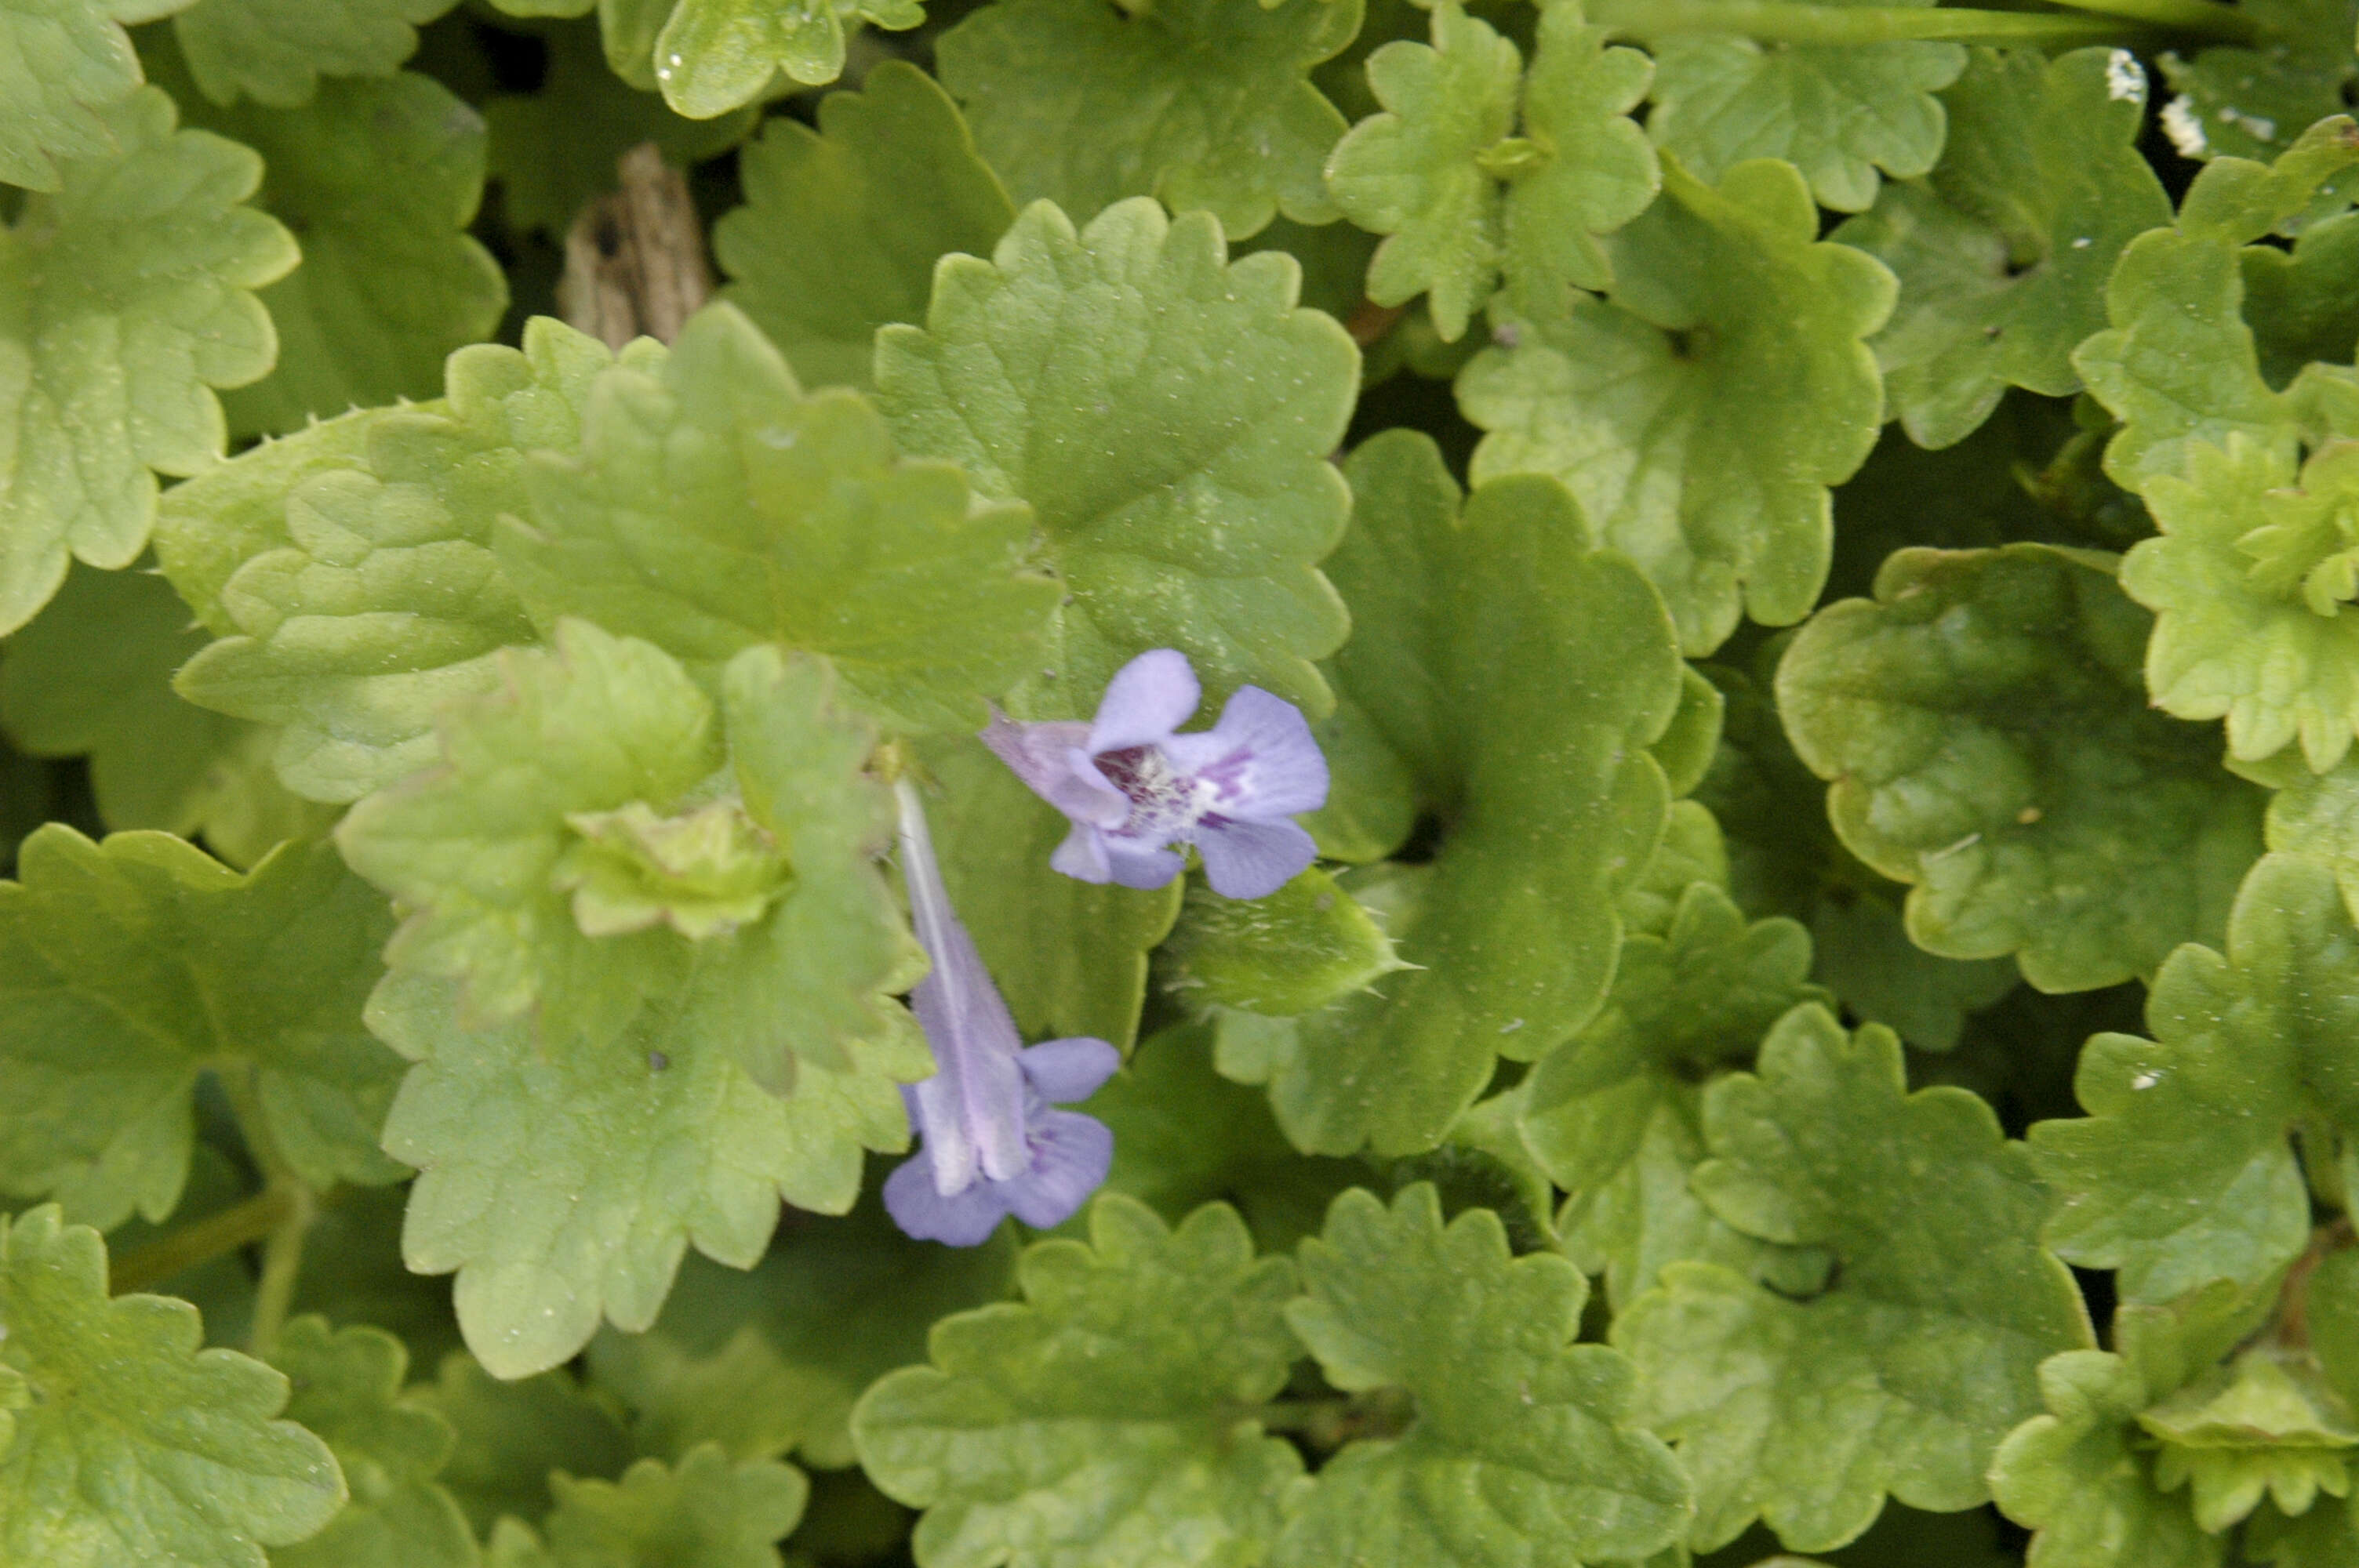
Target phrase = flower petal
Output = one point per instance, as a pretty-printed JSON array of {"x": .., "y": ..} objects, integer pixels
[
  {"x": 1053, "y": 763},
  {"x": 1260, "y": 758},
  {"x": 1148, "y": 699},
  {"x": 1083, "y": 856},
  {"x": 1070, "y": 1156},
  {"x": 965, "y": 1220},
  {"x": 1064, "y": 1071},
  {"x": 1253, "y": 860},
  {"x": 1136, "y": 868}
]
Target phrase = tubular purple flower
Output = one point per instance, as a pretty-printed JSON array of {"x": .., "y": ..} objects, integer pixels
[
  {"x": 990, "y": 1144},
  {"x": 1133, "y": 786}
]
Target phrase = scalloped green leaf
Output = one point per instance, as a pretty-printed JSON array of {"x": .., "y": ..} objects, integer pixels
[
  {"x": 709, "y": 56},
  {"x": 841, "y": 226},
  {"x": 2077, "y": 1476},
  {"x": 713, "y": 507},
  {"x": 1168, "y": 416},
  {"x": 276, "y": 51},
  {"x": 130, "y": 1444},
  {"x": 1204, "y": 104},
  {"x": 2254, "y": 100},
  {"x": 1106, "y": 1417},
  {"x": 1463, "y": 197},
  {"x": 348, "y": 1391},
  {"x": 373, "y": 598},
  {"x": 2004, "y": 252},
  {"x": 60, "y": 62},
  {"x": 510, "y": 1436},
  {"x": 2184, "y": 1169},
  {"x": 1902, "y": 1373},
  {"x": 580, "y": 855},
  {"x": 1839, "y": 113},
  {"x": 130, "y": 967},
  {"x": 1700, "y": 416},
  {"x": 707, "y": 1511},
  {"x": 1525, "y": 1449},
  {"x": 1541, "y": 671},
  {"x": 1985, "y": 735},
  {"x": 125, "y": 298}
]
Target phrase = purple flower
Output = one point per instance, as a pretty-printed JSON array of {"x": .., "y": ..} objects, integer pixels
[
  {"x": 1133, "y": 787},
  {"x": 991, "y": 1145}
]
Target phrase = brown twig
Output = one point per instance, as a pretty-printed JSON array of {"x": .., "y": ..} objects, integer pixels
[{"x": 635, "y": 262}]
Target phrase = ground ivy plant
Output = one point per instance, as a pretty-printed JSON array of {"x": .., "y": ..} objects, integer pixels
[{"x": 1408, "y": 783}]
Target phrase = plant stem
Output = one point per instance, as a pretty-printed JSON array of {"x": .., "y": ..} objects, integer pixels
[
  {"x": 1784, "y": 21},
  {"x": 2205, "y": 16},
  {"x": 240, "y": 1225},
  {"x": 282, "y": 1260}
]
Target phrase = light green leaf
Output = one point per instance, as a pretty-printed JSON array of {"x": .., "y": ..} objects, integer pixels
[
  {"x": 1168, "y": 418},
  {"x": 1986, "y": 732},
  {"x": 274, "y": 51},
  {"x": 565, "y": 1182},
  {"x": 2253, "y": 101},
  {"x": 510, "y": 1436},
  {"x": 1523, "y": 1450},
  {"x": 1204, "y": 105},
  {"x": 706, "y": 1512},
  {"x": 1904, "y": 1371},
  {"x": 1550, "y": 804},
  {"x": 130, "y": 967},
  {"x": 2184, "y": 1171},
  {"x": 559, "y": 861},
  {"x": 2316, "y": 816},
  {"x": 711, "y": 56},
  {"x": 2004, "y": 253},
  {"x": 381, "y": 179},
  {"x": 1839, "y": 111},
  {"x": 1701, "y": 416},
  {"x": 2079, "y": 1476},
  {"x": 371, "y": 599},
  {"x": 348, "y": 1391},
  {"x": 131, "y": 1445},
  {"x": 554, "y": 150},
  {"x": 772, "y": 1360},
  {"x": 1069, "y": 956},
  {"x": 1107, "y": 1418},
  {"x": 841, "y": 226},
  {"x": 713, "y": 507},
  {"x": 125, "y": 299},
  {"x": 60, "y": 60},
  {"x": 2178, "y": 365},
  {"x": 1463, "y": 197},
  {"x": 1296, "y": 950}
]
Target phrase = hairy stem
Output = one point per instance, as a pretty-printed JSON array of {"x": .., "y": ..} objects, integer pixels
[
  {"x": 1783, "y": 21},
  {"x": 240, "y": 1225},
  {"x": 282, "y": 1260}
]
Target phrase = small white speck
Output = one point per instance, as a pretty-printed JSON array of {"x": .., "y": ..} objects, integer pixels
[
  {"x": 1511, "y": 1026},
  {"x": 2145, "y": 1080},
  {"x": 2125, "y": 77},
  {"x": 675, "y": 62},
  {"x": 2185, "y": 131},
  {"x": 779, "y": 437},
  {"x": 2083, "y": 243},
  {"x": 2259, "y": 127}
]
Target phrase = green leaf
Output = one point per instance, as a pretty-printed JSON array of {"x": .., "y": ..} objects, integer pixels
[
  {"x": 348, "y": 1391},
  {"x": 772, "y": 1360},
  {"x": 2184, "y": 1171},
  {"x": 1865, "y": 957},
  {"x": 61, "y": 62},
  {"x": 381, "y": 179},
  {"x": 1106, "y": 1417},
  {"x": 510, "y": 1436},
  {"x": 1701, "y": 416},
  {"x": 2316, "y": 816},
  {"x": 2004, "y": 253},
  {"x": 2248, "y": 581},
  {"x": 706, "y": 1512},
  {"x": 1204, "y": 104},
  {"x": 274, "y": 51},
  {"x": 565, "y": 1182},
  {"x": 712, "y": 56},
  {"x": 841, "y": 226},
  {"x": 2178, "y": 365},
  {"x": 2078, "y": 1475},
  {"x": 130, "y": 1445},
  {"x": 1294, "y": 951},
  {"x": 1168, "y": 417},
  {"x": 2267, "y": 1424},
  {"x": 1463, "y": 196},
  {"x": 1523, "y": 1450},
  {"x": 130, "y": 967},
  {"x": 2302, "y": 304},
  {"x": 713, "y": 507},
  {"x": 125, "y": 299},
  {"x": 576, "y": 857},
  {"x": 1549, "y": 804},
  {"x": 2254, "y": 101},
  {"x": 1904, "y": 1371},
  {"x": 91, "y": 676},
  {"x": 1838, "y": 111},
  {"x": 553, "y": 150},
  {"x": 1985, "y": 730},
  {"x": 1070, "y": 957},
  {"x": 372, "y": 599},
  {"x": 353, "y": 1270}
]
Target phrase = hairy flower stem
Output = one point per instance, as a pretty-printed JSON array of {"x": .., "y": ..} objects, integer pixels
[
  {"x": 1778, "y": 21},
  {"x": 240, "y": 1225}
]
